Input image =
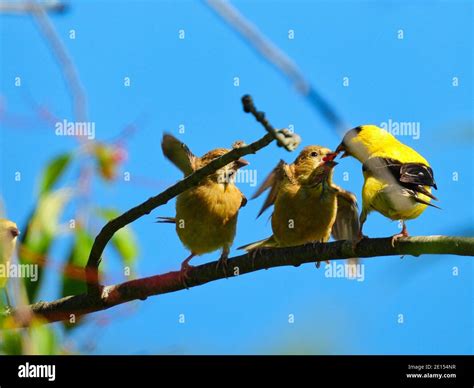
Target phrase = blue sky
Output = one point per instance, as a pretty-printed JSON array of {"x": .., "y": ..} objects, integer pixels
[{"x": 190, "y": 82}]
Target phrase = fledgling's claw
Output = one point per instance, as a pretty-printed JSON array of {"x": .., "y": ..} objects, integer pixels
[
  {"x": 222, "y": 262},
  {"x": 318, "y": 263},
  {"x": 184, "y": 271},
  {"x": 253, "y": 254},
  {"x": 357, "y": 241}
]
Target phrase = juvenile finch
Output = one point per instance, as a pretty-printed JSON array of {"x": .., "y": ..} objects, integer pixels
[
  {"x": 8, "y": 234},
  {"x": 308, "y": 206},
  {"x": 206, "y": 215},
  {"x": 397, "y": 179}
]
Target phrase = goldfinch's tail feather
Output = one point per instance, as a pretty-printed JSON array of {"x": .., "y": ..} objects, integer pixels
[
  {"x": 419, "y": 200},
  {"x": 422, "y": 190}
]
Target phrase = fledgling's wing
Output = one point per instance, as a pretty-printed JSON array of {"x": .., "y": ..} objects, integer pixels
[
  {"x": 273, "y": 182},
  {"x": 346, "y": 226},
  {"x": 179, "y": 154}
]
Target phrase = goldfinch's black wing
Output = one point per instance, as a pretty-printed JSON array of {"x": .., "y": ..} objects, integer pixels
[
  {"x": 273, "y": 181},
  {"x": 412, "y": 176},
  {"x": 418, "y": 174},
  {"x": 346, "y": 226},
  {"x": 179, "y": 154}
]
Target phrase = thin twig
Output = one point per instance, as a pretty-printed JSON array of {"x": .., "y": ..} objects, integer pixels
[
  {"x": 290, "y": 141},
  {"x": 15, "y": 7},
  {"x": 68, "y": 68}
]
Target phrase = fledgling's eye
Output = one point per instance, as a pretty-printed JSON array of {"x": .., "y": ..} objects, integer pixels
[{"x": 313, "y": 154}]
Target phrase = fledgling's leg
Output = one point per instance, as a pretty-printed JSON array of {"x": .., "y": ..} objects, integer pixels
[
  {"x": 318, "y": 263},
  {"x": 222, "y": 262},
  {"x": 403, "y": 233},
  {"x": 185, "y": 267},
  {"x": 362, "y": 219},
  {"x": 253, "y": 254}
]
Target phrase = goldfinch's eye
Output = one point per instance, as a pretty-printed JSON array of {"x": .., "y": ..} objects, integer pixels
[{"x": 313, "y": 154}]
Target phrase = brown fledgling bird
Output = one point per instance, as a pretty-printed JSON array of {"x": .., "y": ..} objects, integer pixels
[
  {"x": 308, "y": 206},
  {"x": 206, "y": 215}
]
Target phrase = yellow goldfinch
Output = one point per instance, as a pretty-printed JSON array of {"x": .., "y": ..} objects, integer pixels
[
  {"x": 8, "y": 235},
  {"x": 397, "y": 179},
  {"x": 206, "y": 215},
  {"x": 308, "y": 206}
]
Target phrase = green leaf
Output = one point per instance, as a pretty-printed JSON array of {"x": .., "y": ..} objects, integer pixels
[
  {"x": 123, "y": 241},
  {"x": 53, "y": 172},
  {"x": 43, "y": 340},
  {"x": 11, "y": 342},
  {"x": 39, "y": 234}
]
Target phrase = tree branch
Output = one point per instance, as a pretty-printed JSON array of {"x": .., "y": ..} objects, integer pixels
[
  {"x": 113, "y": 295},
  {"x": 192, "y": 180}
]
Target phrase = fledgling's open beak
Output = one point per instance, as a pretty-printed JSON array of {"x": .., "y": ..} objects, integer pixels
[
  {"x": 14, "y": 232},
  {"x": 342, "y": 148},
  {"x": 239, "y": 163},
  {"x": 330, "y": 157},
  {"x": 330, "y": 163}
]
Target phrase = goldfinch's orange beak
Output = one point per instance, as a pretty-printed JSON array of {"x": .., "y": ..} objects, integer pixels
[{"x": 342, "y": 148}]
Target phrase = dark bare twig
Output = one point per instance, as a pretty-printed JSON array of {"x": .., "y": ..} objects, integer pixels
[{"x": 290, "y": 141}]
